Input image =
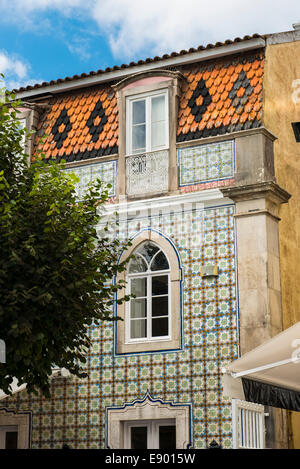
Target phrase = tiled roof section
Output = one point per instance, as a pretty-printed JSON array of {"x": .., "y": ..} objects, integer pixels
[
  {"x": 217, "y": 97},
  {"x": 221, "y": 97},
  {"x": 80, "y": 125},
  {"x": 140, "y": 62}
]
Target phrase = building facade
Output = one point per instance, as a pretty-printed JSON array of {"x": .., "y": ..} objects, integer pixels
[{"x": 188, "y": 145}]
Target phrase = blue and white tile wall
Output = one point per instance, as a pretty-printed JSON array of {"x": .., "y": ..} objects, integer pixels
[
  {"x": 206, "y": 163},
  {"x": 105, "y": 171},
  {"x": 75, "y": 414}
]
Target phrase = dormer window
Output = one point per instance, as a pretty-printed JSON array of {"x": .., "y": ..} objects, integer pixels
[
  {"x": 147, "y": 122},
  {"x": 148, "y": 109}
]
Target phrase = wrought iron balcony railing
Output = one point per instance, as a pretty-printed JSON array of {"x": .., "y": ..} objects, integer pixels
[{"x": 147, "y": 173}]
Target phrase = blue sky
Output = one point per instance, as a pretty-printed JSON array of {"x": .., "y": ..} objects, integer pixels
[{"x": 49, "y": 39}]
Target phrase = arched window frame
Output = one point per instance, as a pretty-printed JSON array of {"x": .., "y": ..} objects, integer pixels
[
  {"x": 174, "y": 341},
  {"x": 148, "y": 274}
]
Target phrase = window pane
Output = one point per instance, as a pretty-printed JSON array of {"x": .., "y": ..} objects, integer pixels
[
  {"x": 139, "y": 112},
  {"x": 158, "y": 108},
  {"x": 11, "y": 440},
  {"x": 137, "y": 265},
  {"x": 160, "y": 306},
  {"x": 160, "y": 327},
  {"x": 160, "y": 262},
  {"x": 138, "y": 328},
  {"x": 139, "y": 286},
  {"x": 139, "y": 137},
  {"x": 138, "y": 437},
  {"x": 138, "y": 308},
  {"x": 167, "y": 437},
  {"x": 148, "y": 251},
  {"x": 160, "y": 285},
  {"x": 158, "y": 135}
]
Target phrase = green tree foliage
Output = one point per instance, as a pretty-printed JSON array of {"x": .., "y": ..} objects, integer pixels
[{"x": 56, "y": 274}]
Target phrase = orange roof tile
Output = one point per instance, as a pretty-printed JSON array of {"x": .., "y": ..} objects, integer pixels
[
  {"x": 228, "y": 95},
  {"x": 216, "y": 98}
]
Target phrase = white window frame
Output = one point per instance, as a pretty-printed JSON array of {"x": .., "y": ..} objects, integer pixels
[
  {"x": 147, "y": 97},
  {"x": 148, "y": 274},
  {"x": 6, "y": 429},
  {"x": 152, "y": 431},
  {"x": 248, "y": 425}
]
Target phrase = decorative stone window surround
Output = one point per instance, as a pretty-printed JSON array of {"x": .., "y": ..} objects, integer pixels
[
  {"x": 174, "y": 342},
  {"x": 141, "y": 84},
  {"x": 148, "y": 409},
  {"x": 20, "y": 420}
]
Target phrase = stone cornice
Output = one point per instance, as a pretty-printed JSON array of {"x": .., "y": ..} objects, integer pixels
[
  {"x": 269, "y": 190},
  {"x": 229, "y": 136}
]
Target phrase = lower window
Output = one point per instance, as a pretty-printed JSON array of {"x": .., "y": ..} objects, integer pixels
[
  {"x": 149, "y": 424},
  {"x": 8, "y": 437},
  {"x": 14, "y": 429},
  {"x": 151, "y": 434}
]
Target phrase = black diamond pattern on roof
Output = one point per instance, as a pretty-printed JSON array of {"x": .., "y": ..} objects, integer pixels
[
  {"x": 241, "y": 82},
  {"x": 60, "y": 137},
  {"x": 200, "y": 90},
  {"x": 95, "y": 131}
]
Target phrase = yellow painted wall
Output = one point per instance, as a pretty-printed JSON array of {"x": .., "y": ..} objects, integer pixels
[{"x": 281, "y": 108}]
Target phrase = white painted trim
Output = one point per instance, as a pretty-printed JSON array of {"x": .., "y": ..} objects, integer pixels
[
  {"x": 199, "y": 56},
  {"x": 207, "y": 198},
  {"x": 265, "y": 367}
]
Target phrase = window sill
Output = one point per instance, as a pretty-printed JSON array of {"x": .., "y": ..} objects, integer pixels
[
  {"x": 149, "y": 346},
  {"x": 147, "y": 341}
]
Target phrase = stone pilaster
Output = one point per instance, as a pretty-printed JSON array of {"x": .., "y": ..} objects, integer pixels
[{"x": 258, "y": 261}]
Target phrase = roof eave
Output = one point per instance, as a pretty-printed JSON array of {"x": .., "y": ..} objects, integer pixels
[{"x": 199, "y": 56}]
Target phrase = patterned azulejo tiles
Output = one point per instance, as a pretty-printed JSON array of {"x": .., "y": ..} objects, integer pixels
[
  {"x": 105, "y": 171},
  {"x": 75, "y": 414},
  {"x": 206, "y": 163}
]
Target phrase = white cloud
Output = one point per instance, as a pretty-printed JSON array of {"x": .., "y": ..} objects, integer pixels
[
  {"x": 159, "y": 26},
  {"x": 80, "y": 47},
  {"x": 9, "y": 65},
  {"x": 144, "y": 28},
  {"x": 15, "y": 70},
  {"x": 40, "y": 5}
]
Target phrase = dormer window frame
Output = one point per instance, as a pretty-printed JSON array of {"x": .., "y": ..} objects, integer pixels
[
  {"x": 152, "y": 81},
  {"x": 147, "y": 98}
]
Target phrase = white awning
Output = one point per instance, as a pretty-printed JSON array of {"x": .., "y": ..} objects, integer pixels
[
  {"x": 276, "y": 362},
  {"x": 18, "y": 388}
]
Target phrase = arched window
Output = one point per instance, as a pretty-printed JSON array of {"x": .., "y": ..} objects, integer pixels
[
  {"x": 152, "y": 320},
  {"x": 148, "y": 314}
]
